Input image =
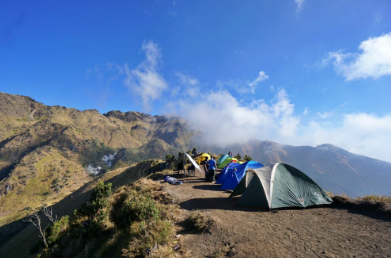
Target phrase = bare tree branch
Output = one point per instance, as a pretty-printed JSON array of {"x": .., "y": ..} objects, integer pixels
[{"x": 37, "y": 223}]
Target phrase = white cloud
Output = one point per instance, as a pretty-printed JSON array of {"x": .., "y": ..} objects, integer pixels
[
  {"x": 299, "y": 4},
  {"x": 186, "y": 79},
  {"x": 326, "y": 115},
  {"x": 374, "y": 60},
  {"x": 189, "y": 85},
  {"x": 224, "y": 120},
  {"x": 360, "y": 133},
  {"x": 261, "y": 77},
  {"x": 144, "y": 80}
]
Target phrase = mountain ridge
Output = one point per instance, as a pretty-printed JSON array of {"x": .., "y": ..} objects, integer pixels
[{"x": 53, "y": 146}]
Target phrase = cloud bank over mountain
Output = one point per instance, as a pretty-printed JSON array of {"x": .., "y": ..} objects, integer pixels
[{"x": 228, "y": 112}]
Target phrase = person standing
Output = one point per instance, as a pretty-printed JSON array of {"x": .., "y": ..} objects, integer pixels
[
  {"x": 230, "y": 153},
  {"x": 212, "y": 169}
]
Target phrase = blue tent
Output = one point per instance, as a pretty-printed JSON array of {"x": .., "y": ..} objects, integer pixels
[
  {"x": 224, "y": 172},
  {"x": 222, "y": 158},
  {"x": 234, "y": 176}
]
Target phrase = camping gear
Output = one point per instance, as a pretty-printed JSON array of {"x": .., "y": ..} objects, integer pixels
[
  {"x": 279, "y": 186},
  {"x": 222, "y": 158},
  {"x": 194, "y": 163},
  {"x": 234, "y": 176},
  {"x": 204, "y": 157},
  {"x": 226, "y": 162},
  {"x": 172, "y": 180}
]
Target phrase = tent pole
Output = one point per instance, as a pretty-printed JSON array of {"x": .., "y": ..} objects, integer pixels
[{"x": 184, "y": 158}]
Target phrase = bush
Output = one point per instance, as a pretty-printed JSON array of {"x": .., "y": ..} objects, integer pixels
[
  {"x": 100, "y": 195},
  {"x": 200, "y": 222},
  {"x": 247, "y": 158},
  {"x": 136, "y": 207},
  {"x": 147, "y": 237},
  {"x": 238, "y": 156},
  {"x": 55, "y": 231}
]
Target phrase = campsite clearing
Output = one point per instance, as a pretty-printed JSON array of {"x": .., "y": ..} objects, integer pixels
[{"x": 325, "y": 231}]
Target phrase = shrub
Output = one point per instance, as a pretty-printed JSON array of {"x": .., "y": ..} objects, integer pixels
[
  {"x": 147, "y": 237},
  {"x": 247, "y": 158},
  {"x": 238, "y": 156},
  {"x": 200, "y": 222},
  {"x": 99, "y": 201},
  {"x": 55, "y": 231},
  {"x": 140, "y": 207}
]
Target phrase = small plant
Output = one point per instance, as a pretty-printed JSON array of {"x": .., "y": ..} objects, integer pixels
[{"x": 200, "y": 222}]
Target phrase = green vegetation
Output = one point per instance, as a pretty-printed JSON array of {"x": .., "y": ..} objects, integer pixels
[
  {"x": 134, "y": 221},
  {"x": 247, "y": 158},
  {"x": 58, "y": 229}
]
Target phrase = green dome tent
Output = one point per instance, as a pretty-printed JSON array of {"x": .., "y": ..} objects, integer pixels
[
  {"x": 222, "y": 158},
  {"x": 226, "y": 162},
  {"x": 279, "y": 186}
]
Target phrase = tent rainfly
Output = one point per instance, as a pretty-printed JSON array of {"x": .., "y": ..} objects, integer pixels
[
  {"x": 225, "y": 172},
  {"x": 226, "y": 162},
  {"x": 279, "y": 186},
  {"x": 222, "y": 158},
  {"x": 234, "y": 176}
]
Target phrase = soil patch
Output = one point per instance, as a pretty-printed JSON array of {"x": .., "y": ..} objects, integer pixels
[{"x": 339, "y": 230}]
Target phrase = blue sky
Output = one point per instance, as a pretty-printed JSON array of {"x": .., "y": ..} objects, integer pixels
[{"x": 300, "y": 72}]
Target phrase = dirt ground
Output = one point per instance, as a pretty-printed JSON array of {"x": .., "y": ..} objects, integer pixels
[{"x": 327, "y": 231}]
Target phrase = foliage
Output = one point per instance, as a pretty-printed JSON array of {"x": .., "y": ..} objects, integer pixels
[
  {"x": 99, "y": 200},
  {"x": 55, "y": 231},
  {"x": 170, "y": 159},
  {"x": 97, "y": 209},
  {"x": 147, "y": 235},
  {"x": 238, "y": 156},
  {"x": 136, "y": 207},
  {"x": 143, "y": 217},
  {"x": 200, "y": 222},
  {"x": 247, "y": 158}
]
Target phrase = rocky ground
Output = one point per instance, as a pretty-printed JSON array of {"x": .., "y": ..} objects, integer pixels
[{"x": 328, "y": 231}]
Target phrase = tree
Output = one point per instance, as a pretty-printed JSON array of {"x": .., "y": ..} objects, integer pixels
[
  {"x": 35, "y": 219},
  {"x": 238, "y": 156},
  {"x": 247, "y": 158}
]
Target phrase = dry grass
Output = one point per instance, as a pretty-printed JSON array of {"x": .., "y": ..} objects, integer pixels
[
  {"x": 376, "y": 198},
  {"x": 227, "y": 251},
  {"x": 200, "y": 222}
]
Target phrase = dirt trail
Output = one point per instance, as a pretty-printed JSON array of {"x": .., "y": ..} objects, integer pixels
[{"x": 313, "y": 232}]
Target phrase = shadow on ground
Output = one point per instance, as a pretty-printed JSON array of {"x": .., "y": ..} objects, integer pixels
[
  {"x": 211, "y": 187},
  {"x": 218, "y": 203}
]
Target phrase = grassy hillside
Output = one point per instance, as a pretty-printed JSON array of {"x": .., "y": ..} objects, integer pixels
[
  {"x": 19, "y": 233},
  {"x": 47, "y": 152}
]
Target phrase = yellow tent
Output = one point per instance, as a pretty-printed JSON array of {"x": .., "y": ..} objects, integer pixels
[{"x": 204, "y": 157}]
